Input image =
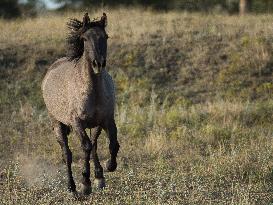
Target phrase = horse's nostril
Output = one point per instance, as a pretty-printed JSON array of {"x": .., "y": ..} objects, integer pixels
[
  {"x": 94, "y": 63},
  {"x": 104, "y": 63}
]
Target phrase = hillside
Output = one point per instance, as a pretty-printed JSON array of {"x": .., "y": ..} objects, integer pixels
[{"x": 194, "y": 109}]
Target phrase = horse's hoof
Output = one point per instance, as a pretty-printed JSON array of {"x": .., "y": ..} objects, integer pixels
[
  {"x": 111, "y": 165},
  {"x": 99, "y": 183},
  {"x": 72, "y": 188},
  {"x": 85, "y": 190},
  {"x": 74, "y": 194}
]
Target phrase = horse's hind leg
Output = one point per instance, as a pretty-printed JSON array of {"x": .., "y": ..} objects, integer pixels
[
  {"x": 62, "y": 131},
  {"x": 111, "y": 131},
  {"x": 99, "y": 178}
]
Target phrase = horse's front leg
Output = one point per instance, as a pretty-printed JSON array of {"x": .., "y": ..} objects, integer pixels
[
  {"x": 62, "y": 131},
  {"x": 99, "y": 178},
  {"x": 86, "y": 147},
  {"x": 111, "y": 131}
]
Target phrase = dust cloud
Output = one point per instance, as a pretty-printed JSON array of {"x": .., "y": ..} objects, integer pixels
[{"x": 35, "y": 171}]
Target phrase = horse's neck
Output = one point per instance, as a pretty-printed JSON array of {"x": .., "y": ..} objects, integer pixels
[
  {"x": 90, "y": 81},
  {"x": 87, "y": 74}
]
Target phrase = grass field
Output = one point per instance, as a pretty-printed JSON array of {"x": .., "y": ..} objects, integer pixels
[{"x": 194, "y": 110}]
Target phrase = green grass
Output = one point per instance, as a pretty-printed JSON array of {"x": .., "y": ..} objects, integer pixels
[{"x": 194, "y": 110}]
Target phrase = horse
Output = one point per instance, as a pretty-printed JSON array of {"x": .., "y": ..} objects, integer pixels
[{"x": 79, "y": 93}]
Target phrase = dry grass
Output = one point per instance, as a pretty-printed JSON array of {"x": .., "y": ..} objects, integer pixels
[{"x": 194, "y": 110}]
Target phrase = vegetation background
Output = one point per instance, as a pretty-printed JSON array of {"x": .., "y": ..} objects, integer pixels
[
  {"x": 194, "y": 104},
  {"x": 16, "y": 8}
]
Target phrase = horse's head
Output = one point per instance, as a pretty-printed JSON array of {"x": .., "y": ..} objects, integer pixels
[
  {"x": 95, "y": 41},
  {"x": 89, "y": 37}
]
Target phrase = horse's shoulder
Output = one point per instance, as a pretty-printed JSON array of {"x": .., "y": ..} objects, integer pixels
[
  {"x": 108, "y": 79},
  {"x": 109, "y": 83}
]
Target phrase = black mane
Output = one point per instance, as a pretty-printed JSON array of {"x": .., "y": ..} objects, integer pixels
[{"x": 75, "y": 45}]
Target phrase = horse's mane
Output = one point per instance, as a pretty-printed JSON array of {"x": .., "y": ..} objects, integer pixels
[{"x": 75, "y": 44}]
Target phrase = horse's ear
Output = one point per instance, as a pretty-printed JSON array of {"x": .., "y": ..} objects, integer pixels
[
  {"x": 85, "y": 20},
  {"x": 103, "y": 20}
]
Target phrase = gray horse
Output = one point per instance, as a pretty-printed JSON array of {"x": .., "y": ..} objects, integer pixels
[{"x": 79, "y": 94}]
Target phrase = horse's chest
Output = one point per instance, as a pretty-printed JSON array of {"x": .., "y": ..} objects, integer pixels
[
  {"x": 97, "y": 109},
  {"x": 104, "y": 107},
  {"x": 97, "y": 104}
]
